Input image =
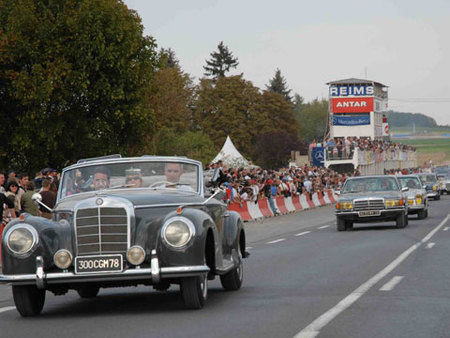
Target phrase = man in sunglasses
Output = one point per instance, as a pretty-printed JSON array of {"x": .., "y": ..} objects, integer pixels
[{"x": 133, "y": 178}]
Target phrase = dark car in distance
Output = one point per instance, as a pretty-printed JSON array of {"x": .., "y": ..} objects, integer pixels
[
  {"x": 369, "y": 199},
  {"x": 124, "y": 222}
]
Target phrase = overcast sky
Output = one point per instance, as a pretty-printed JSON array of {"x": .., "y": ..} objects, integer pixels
[{"x": 403, "y": 44}]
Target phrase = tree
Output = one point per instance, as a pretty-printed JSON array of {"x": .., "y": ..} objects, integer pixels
[
  {"x": 227, "y": 107},
  {"x": 312, "y": 119},
  {"x": 220, "y": 62},
  {"x": 167, "y": 59},
  {"x": 73, "y": 78},
  {"x": 278, "y": 85},
  {"x": 272, "y": 150},
  {"x": 195, "y": 145}
]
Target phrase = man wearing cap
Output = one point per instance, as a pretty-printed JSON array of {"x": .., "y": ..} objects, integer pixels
[{"x": 267, "y": 189}]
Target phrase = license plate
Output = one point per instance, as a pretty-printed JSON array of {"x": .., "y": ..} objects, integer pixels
[
  {"x": 95, "y": 264},
  {"x": 368, "y": 213}
]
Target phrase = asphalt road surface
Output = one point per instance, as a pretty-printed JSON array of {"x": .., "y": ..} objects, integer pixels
[{"x": 303, "y": 279}]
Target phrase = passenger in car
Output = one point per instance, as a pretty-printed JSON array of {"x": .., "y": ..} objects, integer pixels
[{"x": 101, "y": 178}]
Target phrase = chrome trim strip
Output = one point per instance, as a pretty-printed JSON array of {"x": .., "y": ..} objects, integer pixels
[
  {"x": 155, "y": 268},
  {"x": 40, "y": 276},
  {"x": 145, "y": 206},
  {"x": 131, "y": 274}
]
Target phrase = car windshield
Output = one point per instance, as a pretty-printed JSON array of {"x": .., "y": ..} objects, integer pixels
[
  {"x": 370, "y": 184},
  {"x": 140, "y": 174},
  {"x": 409, "y": 182},
  {"x": 428, "y": 178}
]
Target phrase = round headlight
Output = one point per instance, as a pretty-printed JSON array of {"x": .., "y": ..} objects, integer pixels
[
  {"x": 178, "y": 231},
  {"x": 62, "y": 259},
  {"x": 21, "y": 239},
  {"x": 136, "y": 255}
]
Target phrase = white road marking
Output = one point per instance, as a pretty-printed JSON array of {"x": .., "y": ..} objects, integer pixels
[
  {"x": 320, "y": 322},
  {"x": 7, "y": 308},
  {"x": 391, "y": 284},
  {"x": 430, "y": 245},
  {"x": 302, "y": 233},
  {"x": 276, "y": 241},
  {"x": 324, "y": 227},
  {"x": 446, "y": 228},
  {"x": 249, "y": 247}
]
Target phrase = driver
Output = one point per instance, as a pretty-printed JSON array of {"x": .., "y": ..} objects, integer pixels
[
  {"x": 101, "y": 178},
  {"x": 173, "y": 172}
]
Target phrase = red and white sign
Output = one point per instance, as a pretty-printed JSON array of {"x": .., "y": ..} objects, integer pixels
[
  {"x": 385, "y": 129},
  {"x": 352, "y": 105}
]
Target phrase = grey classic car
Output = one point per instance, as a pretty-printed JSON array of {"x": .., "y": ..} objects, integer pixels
[
  {"x": 416, "y": 194},
  {"x": 125, "y": 222},
  {"x": 366, "y": 199},
  {"x": 431, "y": 183}
]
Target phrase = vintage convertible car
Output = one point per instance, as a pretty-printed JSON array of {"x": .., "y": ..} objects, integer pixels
[
  {"x": 417, "y": 195},
  {"x": 124, "y": 222},
  {"x": 430, "y": 181},
  {"x": 366, "y": 199}
]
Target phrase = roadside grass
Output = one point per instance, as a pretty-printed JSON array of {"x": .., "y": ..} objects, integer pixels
[{"x": 435, "y": 149}]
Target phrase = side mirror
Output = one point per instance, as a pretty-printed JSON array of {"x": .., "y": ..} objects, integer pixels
[
  {"x": 37, "y": 198},
  {"x": 405, "y": 189}
]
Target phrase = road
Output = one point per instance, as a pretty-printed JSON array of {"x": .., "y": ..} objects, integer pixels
[{"x": 303, "y": 279}]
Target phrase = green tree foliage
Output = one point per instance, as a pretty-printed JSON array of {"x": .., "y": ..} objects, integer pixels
[
  {"x": 170, "y": 97},
  {"x": 196, "y": 145},
  {"x": 397, "y": 119},
  {"x": 167, "y": 59},
  {"x": 73, "y": 75},
  {"x": 312, "y": 118},
  {"x": 278, "y": 85},
  {"x": 272, "y": 150},
  {"x": 233, "y": 106},
  {"x": 221, "y": 62}
]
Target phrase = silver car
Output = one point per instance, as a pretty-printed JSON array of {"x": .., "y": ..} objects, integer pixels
[
  {"x": 367, "y": 199},
  {"x": 417, "y": 195}
]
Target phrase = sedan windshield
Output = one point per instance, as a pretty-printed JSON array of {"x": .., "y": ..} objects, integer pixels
[
  {"x": 370, "y": 184},
  {"x": 143, "y": 175},
  {"x": 428, "y": 178},
  {"x": 409, "y": 182}
]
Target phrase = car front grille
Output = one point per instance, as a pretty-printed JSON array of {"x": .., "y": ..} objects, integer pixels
[
  {"x": 370, "y": 204},
  {"x": 101, "y": 231}
]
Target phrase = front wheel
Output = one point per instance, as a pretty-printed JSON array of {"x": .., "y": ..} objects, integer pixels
[
  {"x": 438, "y": 197},
  {"x": 340, "y": 224},
  {"x": 194, "y": 291},
  {"x": 29, "y": 300},
  {"x": 232, "y": 280},
  {"x": 422, "y": 214},
  {"x": 401, "y": 221}
]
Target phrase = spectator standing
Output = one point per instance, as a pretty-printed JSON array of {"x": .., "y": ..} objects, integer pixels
[
  {"x": 2, "y": 182},
  {"x": 9, "y": 206},
  {"x": 308, "y": 185},
  {"x": 27, "y": 203},
  {"x": 11, "y": 193},
  {"x": 48, "y": 198}
]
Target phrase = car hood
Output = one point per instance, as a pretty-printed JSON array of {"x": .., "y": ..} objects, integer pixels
[
  {"x": 137, "y": 197},
  {"x": 414, "y": 192}
]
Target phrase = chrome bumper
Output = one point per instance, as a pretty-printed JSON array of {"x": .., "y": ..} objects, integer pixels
[{"x": 155, "y": 274}]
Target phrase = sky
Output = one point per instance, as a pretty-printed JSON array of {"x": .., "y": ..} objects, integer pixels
[{"x": 403, "y": 44}]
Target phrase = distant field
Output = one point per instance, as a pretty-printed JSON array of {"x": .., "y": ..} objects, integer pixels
[
  {"x": 418, "y": 130},
  {"x": 435, "y": 149}
]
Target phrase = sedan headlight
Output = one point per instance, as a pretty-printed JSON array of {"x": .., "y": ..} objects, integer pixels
[
  {"x": 393, "y": 203},
  {"x": 177, "y": 232},
  {"x": 347, "y": 205},
  {"x": 21, "y": 239},
  {"x": 419, "y": 199}
]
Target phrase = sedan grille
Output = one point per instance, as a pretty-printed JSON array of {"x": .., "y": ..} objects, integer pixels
[
  {"x": 101, "y": 231},
  {"x": 372, "y": 204}
]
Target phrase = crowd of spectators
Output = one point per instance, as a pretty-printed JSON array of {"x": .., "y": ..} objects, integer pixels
[
  {"x": 251, "y": 183},
  {"x": 343, "y": 148},
  {"x": 16, "y": 191}
]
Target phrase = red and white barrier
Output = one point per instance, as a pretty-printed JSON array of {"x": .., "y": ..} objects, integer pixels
[{"x": 284, "y": 205}]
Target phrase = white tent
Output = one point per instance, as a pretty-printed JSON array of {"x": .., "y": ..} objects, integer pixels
[{"x": 230, "y": 155}]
